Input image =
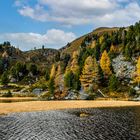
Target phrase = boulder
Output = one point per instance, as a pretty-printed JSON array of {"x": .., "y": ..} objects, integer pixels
[{"x": 122, "y": 68}]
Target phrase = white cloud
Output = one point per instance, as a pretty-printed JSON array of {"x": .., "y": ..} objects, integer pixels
[
  {"x": 53, "y": 38},
  {"x": 78, "y": 12}
]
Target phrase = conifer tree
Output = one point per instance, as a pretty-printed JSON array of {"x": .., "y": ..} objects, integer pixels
[
  {"x": 53, "y": 72},
  {"x": 4, "y": 78},
  {"x": 75, "y": 69},
  {"x": 47, "y": 76},
  {"x": 51, "y": 86},
  {"x": 97, "y": 51},
  {"x": 59, "y": 77},
  {"x": 113, "y": 83},
  {"x": 137, "y": 78},
  {"x": 51, "y": 83},
  {"x": 68, "y": 78},
  {"x": 89, "y": 77},
  {"x": 105, "y": 64},
  {"x": 74, "y": 64}
]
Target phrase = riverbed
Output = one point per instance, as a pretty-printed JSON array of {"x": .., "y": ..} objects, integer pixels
[{"x": 97, "y": 124}]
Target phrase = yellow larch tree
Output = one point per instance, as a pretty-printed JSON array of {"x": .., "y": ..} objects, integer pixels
[
  {"x": 105, "y": 63},
  {"x": 89, "y": 75},
  {"x": 53, "y": 71},
  {"x": 93, "y": 44},
  {"x": 74, "y": 63},
  {"x": 101, "y": 39},
  {"x": 113, "y": 49},
  {"x": 59, "y": 77},
  {"x": 137, "y": 78}
]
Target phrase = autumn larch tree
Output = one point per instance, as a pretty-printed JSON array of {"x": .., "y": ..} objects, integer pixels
[
  {"x": 137, "y": 78},
  {"x": 59, "y": 78},
  {"x": 51, "y": 83},
  {"x": 89, "y": 78},
  {"x": 53, "y": 71},
  {"x": 75, "y": 70},
  {"x": 105, "y": 64},
  {"x": 74, "y": 64}
]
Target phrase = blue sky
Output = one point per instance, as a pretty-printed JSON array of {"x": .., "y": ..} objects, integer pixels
[{"x": 54, "y": 23}]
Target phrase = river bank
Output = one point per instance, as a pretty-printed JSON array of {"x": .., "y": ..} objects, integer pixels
[{"x": 32, "y": 106}]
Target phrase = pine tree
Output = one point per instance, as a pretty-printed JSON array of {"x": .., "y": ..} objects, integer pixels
[
  {"x": 101, "y": 77},
  {"x": 68, "y": 78},
  {"x": 51, "y": 86},
  {"x": 128, "y": 52},
  {"x": 105, "y": 64},
  {"x": 113, "y": 83},
  {"x": 89, "y": 77},
  {"x": 137, "y": 78},
  {"x": 47, "y": 75},
  {"x": 4, "y": 78},
  {"x": 33, "y": 69},
  {"x": 97, "y": 51}
]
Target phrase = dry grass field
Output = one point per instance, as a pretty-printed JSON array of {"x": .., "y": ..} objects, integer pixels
[{"x": 32, "y": 106}]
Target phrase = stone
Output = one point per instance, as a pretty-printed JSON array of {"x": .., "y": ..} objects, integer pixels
[
  {"x": 37, "y": 91},
  {"x": 122, "y": 68}
]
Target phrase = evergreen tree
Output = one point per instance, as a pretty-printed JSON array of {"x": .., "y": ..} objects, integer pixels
[
  {"x": 4, "y": 78},
  {"x": 1, "y": 66},
  {"x": 128, "y": 52},
  {"x": 76, "y": 82},
  {"x": 97, "y": 51},
  {"x": 101, "y": 77},
  {"x": 113, "y": 83},
  {"x": 33, "y": 69},
  {"x": 47, "y": 75},
  {"x": 68, "y": 78},
  {"x": 51, "y": 86}
]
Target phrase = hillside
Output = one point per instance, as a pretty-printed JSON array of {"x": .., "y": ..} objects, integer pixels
[
  {"x": 104, "y": 62},
  {"x": 73, "y": 46}
]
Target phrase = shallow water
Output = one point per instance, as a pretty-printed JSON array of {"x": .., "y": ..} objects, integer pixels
[{"x": 98, "y": 124}]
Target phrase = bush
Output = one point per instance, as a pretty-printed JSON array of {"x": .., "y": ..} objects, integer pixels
[
  {"x": 91, "y": 96},
  {"x": 8, "y": 94},
  {"x": 46, "y": 95},
  {"x": 132, "y": 92}
]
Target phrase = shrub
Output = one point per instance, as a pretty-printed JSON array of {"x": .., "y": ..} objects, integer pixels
[
  {"x": 8, "y": 94},
  {"x": 91, "y": 96},
  {"x": 132, "y": 92}
]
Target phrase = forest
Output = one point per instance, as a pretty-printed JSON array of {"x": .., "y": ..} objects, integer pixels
[{"x": 92, "y": 67}]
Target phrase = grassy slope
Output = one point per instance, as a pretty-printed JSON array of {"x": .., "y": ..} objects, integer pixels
[{"x": 76, "y": 43}]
